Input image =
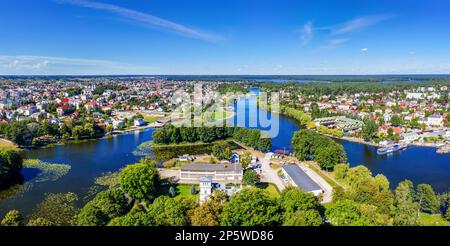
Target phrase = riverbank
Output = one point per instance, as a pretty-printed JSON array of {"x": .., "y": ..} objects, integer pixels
[
  {"x": 6, "y": 144},
  {"x": 444, "y": 150},
  {"x": 352, "y": 139}
]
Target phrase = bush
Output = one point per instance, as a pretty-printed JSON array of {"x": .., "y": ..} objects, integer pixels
[
  {"x": 139, "y": 181},
  {"x": 105, "y": 206},
  {"x": 13, "y": 218},
  {"x": 11, "y": 164}
]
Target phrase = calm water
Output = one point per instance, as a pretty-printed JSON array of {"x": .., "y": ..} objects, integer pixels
[
  {"x": 90, "y": 159},
  {"x": 418, "y": 164}
]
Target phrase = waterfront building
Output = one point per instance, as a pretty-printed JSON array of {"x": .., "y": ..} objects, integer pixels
[
  {"x": 410, "y": 136},
  {"x": 435, "y": 120},
  {"x": 340, "y": 122},
  {"x": 139, "y": 122},
  {"x": 298, "y": 178},
  {"x": 220, "y": 173}
]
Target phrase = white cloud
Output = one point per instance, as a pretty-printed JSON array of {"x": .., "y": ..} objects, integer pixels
[
  {"x": 12, "y": 65},
  {"x": 365, "y": 49},
  {"x": 146, "y": 19},
  {"x": 359, "y": 24},
  {"x": 334, "y": 43},
  {"x": 307, "y": 33}
]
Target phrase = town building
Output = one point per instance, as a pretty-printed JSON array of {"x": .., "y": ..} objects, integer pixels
[
  {"x": 220, "y": 173},
  {"x": 298, "y": 178},
  {"x": 206, "y": 188},
  {"x": 435, "y": 120}
]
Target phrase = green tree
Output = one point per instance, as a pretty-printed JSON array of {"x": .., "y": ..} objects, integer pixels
[
  {"x": 139, "y": 181},
  {"x": 166, "y": 211},
  {"x": 250, "y": 177},
  {"x": 40, "y": 222},
  {"x": 369, "y": 130},
  {"x": 303, "y": 218},
  {"x": 139, "y": 218},
  {"x": 221, "y": 151},
  {"x": 340, "y": 171},
  {"x": 10, "y": 165},
  {"x": 109, "y": 128},
  {"x": 426, "y": 198},
  {"x": 78, "y": 132},
  {"x": 208, "y": 214},
  {"x": 246, "y": 159},
  {"x": 342, "y": 213},
  {"x": 13, "y": 218},
  {"x": 105, "y": 206},
  {"x": 251, "y": 207},
  {"x": 405, "y": 213},
  {"x": 330, "y": 156},
  {"x": 396, "y": 120},
  {"x": 293, "y": 199}
]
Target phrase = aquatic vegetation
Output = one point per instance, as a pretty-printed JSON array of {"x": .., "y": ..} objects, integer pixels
[
  {"x": 144, "y": 149},
  {"x": 108, "y": 179},
  {"x": 46, "y": 172},
  {"x": 49, "y": 171},
  {"x": 105, "y": 181}
]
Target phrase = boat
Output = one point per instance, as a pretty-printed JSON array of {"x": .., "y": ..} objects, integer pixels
[{"x": 391, "y": 149}]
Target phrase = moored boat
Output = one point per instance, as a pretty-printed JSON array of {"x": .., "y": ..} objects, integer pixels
[{"x": 391, "y": 149}]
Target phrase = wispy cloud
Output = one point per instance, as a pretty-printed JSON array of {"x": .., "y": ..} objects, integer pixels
[
  {"x": 146, "y": 19},
  {"x": 335, "y": 43},
  {"x": 340, "y": 32},
  {"x": 359, "y": 24},
  {"x": 306, "y": 33},
  {"x": 49, "y": 65},
  {"x": 365, "y": 49}
]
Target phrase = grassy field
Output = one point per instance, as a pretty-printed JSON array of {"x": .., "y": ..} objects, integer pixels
[
  {"x": 6, "y": 145},
  {"x": 432, "y": 220},
  {"x": 152, "y": 119},
  {"x": 271, "y": 188},
  {"x": 180, "y": 190}
]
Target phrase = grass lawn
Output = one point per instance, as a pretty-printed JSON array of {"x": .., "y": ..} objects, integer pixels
[
  {"x": 275, "y": 165},
  {"x": 271, "y": 188},
  {"x": 6, "y": 145},
  {"x": 180, "y": 190},
  {"x": 432, "y": 220},
  {"x": 152, "y": 119}
]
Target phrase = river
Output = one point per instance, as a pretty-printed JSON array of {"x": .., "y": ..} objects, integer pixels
[{"x": 91, "y": 159}]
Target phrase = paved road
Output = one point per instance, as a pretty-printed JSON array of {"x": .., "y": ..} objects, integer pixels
[
  {"x": 270, "y": 175},
  {"x": 328, "y": 190}
]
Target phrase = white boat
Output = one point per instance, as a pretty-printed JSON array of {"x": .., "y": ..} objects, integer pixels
[{"x": 391, "y": 149}]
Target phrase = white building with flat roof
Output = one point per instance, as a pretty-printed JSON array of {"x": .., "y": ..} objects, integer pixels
[
  {"x": 298, "y": 178},
  {"x": 220, "y": 173}
]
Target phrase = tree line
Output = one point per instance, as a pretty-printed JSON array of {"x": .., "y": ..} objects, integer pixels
[
  {"x": 368, "y": 200},
  {"x": 36, "y": 133},
  {"x": 169, "y": 134},
  {"x": 135, "y": 200},
  {"x": 310, "y": 145}
]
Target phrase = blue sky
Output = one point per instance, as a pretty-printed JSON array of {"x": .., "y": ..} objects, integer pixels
[{"x": 224, "y": 37}]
